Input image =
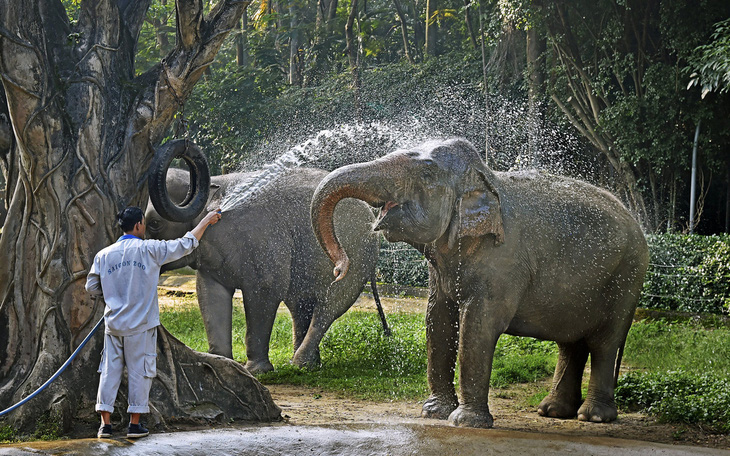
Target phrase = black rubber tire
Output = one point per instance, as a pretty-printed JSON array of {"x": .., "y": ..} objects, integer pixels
[{"x": 197, "y": 196}]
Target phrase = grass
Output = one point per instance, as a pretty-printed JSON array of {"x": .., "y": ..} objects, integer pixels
[
  {"x": 681, "y": 373},
  {"x": 358, "y": 360},
  {"x": 663, "y": 346}
]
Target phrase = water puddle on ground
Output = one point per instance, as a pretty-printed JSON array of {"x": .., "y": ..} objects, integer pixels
[{"x": 355, "y": 440}]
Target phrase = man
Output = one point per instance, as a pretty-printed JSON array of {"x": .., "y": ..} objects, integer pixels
[{"x": 126, "y": 274}]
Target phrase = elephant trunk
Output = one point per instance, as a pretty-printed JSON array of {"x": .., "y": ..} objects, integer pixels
[{"x": 361, "y": 181}]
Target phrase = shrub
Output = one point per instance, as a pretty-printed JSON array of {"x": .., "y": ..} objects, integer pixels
[
  {"x": 688, "y": 273},
  {"x": 678, "y": 396},
  {"x": 401, "y": 264}
]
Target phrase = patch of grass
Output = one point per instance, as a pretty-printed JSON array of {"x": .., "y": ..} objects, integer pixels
[
  {"x": 683, "y": 373},
  {"x": 678, "y": 397},
  {"x": 48, "y": 427},
  {"x": 537, "y": 397},
  {"x": 358, "y": 360},
  {"x": 8, "y": 434},
  {"x": 660, "y": 346},
  {"x": 522, "y": 360}
]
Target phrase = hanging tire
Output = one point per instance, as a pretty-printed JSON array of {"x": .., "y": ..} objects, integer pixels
[{"x": 197, "y": 196}]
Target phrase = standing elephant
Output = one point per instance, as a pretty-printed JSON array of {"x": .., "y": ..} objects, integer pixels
[
  {"x": 266, "y": 248},
  {"x": 522, "y": 253}
]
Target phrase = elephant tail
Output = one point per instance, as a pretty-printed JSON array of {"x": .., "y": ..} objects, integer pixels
[
  {"x": 376, "y": 297},
  {"x": 617, "y": 367}
]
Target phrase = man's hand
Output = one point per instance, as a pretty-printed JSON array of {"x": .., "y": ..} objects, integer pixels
[{"x": 211, "y": 218}]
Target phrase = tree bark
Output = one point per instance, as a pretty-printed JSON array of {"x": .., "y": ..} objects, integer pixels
[
  {"x": 242, "y": 54},
  {"x": 583, "y": 109},
  {"x": 85, "y": 128},
  {"x": 294, "y": 45},
  {"x": 431, "y": 29},
  {"x": 404, "y": 30},
  {"x": 352, "y": 50},
  {"x": 536, "y": 46}
]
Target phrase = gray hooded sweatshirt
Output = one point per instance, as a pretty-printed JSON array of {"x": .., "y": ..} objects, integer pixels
[{"x": 126, "y": 273}]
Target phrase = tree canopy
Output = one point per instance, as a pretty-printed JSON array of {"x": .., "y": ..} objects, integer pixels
[{"x": 622, "y": 76}]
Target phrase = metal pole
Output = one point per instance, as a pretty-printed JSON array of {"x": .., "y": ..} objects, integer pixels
[
  {"x": 727, "y": 202},
  {"x": 693, "y": 185}
]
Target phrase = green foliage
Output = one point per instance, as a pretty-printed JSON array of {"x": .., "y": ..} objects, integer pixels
[
  {"x": 401, "y": 264},
  {"x": 48, "y": 427},
  {"x": 663, "y": 346},
  {"x": 522, "y": 360},
  {"x": 238, "y": 114},
  {"x": 711, "y": 63},
  {"x": 7, "y": 434},
  {"x": 358, "y": 360},
  {"x": 678, "y": 396},
  {"x": 688, "y": 273},
  {"x": 683, "y": 373}
]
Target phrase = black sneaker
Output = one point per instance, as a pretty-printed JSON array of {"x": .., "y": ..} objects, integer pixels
[
  {"x": 136, "y": 431},
  {"x": 105, "y": 431}
]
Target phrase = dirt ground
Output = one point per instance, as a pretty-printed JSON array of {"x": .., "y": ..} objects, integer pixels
[{"x": 303, "y": 405}]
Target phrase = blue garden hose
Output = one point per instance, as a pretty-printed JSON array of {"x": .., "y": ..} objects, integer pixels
[{"x": 58, "y": 372}]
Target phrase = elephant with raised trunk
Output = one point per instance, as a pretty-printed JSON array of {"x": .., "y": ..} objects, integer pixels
[
  {"x": 266, "y": 248},
  {"x": 521, "y": 253}
]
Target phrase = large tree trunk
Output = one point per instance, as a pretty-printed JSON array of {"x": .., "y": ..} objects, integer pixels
[{"x": 84, "y": 130}]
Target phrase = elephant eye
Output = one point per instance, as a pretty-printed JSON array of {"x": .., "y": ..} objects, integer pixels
[
  {"x": 428, "y": 172},
  {"x": 154, "y": 225}
]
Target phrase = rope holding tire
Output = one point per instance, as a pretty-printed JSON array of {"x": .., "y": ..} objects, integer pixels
[{"x": 197, "y": 196}]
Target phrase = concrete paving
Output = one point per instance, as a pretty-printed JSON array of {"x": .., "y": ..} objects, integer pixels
[{"x": 355, "y": 440}]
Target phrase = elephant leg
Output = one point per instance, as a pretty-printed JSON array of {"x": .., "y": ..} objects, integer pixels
[
  {"x": 605, "y": 348},
  {"x": 216, "y": 307},
  {"x": 325, "y": 313},
  {"x": 606, "y": 344},
  {"x": 481, "y": 321},
  {"x": 442, "y": 342},
  {"x": 330, "y": 305},
  {"x": 260, "y": 306},
  {"x": 565, "y": 396},
  {"x": 301, "y": 318}
]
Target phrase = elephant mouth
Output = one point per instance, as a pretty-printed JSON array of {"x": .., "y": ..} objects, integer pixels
[{"x": 384, "y": 210}]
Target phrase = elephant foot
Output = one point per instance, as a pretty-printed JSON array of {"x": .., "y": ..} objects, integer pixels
[
  {"x": 556, "y": 407},
  {"x": 598, "y": 411},
  {"x": 306, "y": 360},
  {"x": 467, "y": 416},
  {"x": 259, "y": 367},
  {"x": 439, "y": 408}
]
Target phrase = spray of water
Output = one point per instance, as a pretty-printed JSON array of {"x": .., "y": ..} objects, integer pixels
[
  {"x": 327, "y": 149},
  {"x": 518, "y": 139}
]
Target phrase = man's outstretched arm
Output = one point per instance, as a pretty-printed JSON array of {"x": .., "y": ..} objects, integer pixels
[{"x": 210, "y": 219}]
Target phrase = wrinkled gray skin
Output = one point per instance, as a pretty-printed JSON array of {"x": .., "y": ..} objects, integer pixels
[
  {"x": 522, "y": 253},
  {"x": 265, "y": 247}
]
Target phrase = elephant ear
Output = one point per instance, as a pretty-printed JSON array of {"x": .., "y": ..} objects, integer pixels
[
  {"x": 215, "y": 195},
  {"x": 479, "y": 214}
]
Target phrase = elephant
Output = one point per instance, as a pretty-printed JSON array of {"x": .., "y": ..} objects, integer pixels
[
  {"x": 524, "y": 253},
  {"x": 265, "y": 247}
]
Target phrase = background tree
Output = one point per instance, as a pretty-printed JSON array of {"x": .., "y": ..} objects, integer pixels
[{"x": 85, "y": 128}]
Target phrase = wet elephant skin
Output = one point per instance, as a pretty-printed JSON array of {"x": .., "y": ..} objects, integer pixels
[
  {"x": 524, "y": 253},
  {"x": 266, "y": 248}
]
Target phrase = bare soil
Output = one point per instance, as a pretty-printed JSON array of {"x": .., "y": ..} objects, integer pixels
[{"x": 509, "y": 406}]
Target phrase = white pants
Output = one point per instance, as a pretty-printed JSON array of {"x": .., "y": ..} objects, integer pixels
[{"x": 139, "y": 354}]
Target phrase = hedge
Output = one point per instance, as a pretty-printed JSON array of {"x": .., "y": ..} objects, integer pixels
[{"x": 687, "y": 273}]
